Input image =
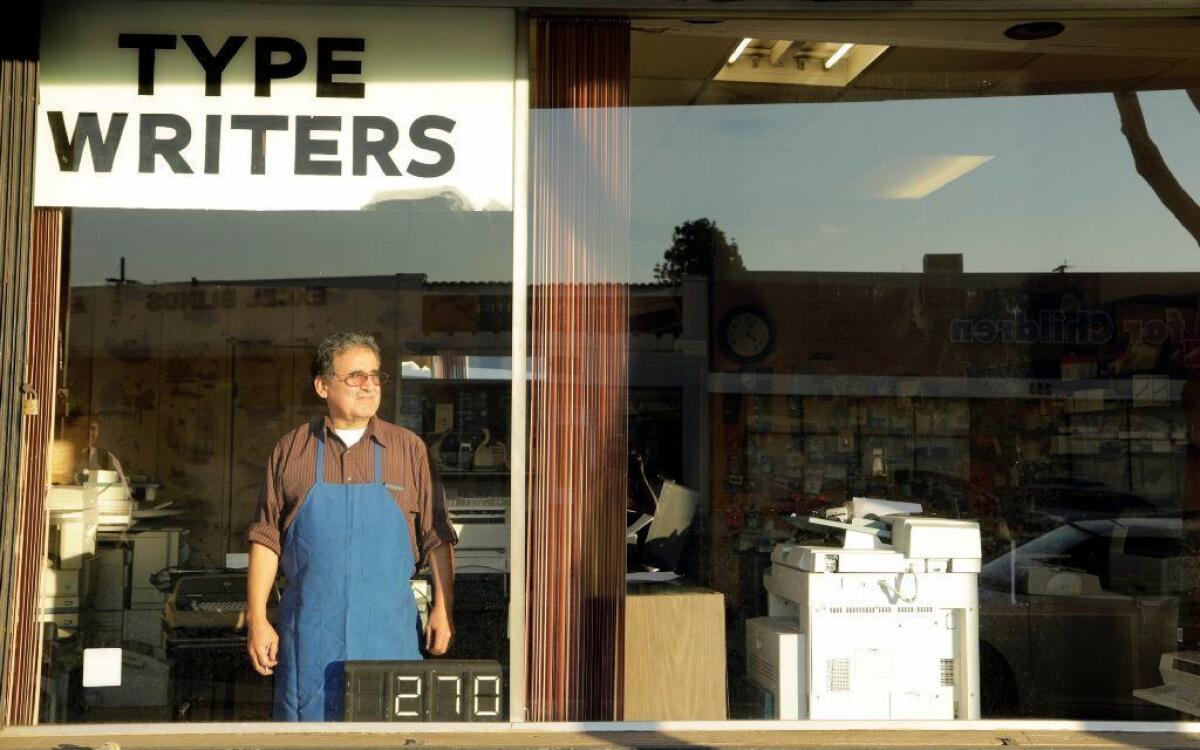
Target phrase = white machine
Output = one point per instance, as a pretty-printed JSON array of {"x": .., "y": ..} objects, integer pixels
[
  {"x": 69, "y": 573},
  {"x": 884, "y": 627},
  {"x": 481, "y": 524},
  {"x": 1181, "y": 683},
  {"x": 113, "y": 499}
]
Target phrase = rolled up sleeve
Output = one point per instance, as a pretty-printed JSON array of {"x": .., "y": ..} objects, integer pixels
[
  {"x": 266, "y": 527},
  {"x": 433, "y": 523}
]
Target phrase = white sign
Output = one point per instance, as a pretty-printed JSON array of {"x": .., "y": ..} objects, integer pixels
[
  {"x": 271, "y": 106},
  {"x": 102, "y": 667}
]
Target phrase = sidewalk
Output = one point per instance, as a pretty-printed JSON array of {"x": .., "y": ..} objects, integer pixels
[{"x": 935, "y": 736}]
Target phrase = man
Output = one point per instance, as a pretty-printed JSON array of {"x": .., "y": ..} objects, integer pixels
[{"x": 350, "y": 511}]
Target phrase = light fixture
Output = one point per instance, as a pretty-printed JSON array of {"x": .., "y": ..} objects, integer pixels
[
  {"x": 915, "y": 176},
  {"x": 737, "y": 52},
  {"x": 841, "y": 52}
]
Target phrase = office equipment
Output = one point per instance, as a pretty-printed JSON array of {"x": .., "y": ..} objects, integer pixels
[
  {"x": 112, "y": 577},
  {"x": 114, "y": 501},
  {"x": 774, "y": 647},
  {"x": 203, "y": 626},
  {"x": 68, "y": 575},
  {"x": 210, "y": 601},
  {"x": 152, "y": 551},
  {"x": 483, "y": 530},
  {"x": 667, "y": 529},
  {"x": 1181, "y": 683},
  {"x": 74, "y": 523},
  {"x": 674, "y": 511},
  {"x": 434, "y": 690},
  {"x": 887, "y": 622}
]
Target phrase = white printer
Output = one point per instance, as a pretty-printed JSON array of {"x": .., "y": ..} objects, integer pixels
[
  {"x": 68, "y": 574},
  {"x": 885, "y": 626}
]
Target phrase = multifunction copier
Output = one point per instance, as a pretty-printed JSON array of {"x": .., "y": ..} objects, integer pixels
[{"x": 885, "y": 626}]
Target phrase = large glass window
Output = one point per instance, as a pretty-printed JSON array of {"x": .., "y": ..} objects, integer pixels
[
  {"x": 951, "y": 264},
  {"x": 285, "y": 376},
  {"x": 190, "y": 340}
]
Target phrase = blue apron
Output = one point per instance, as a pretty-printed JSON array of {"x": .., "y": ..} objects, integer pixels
[{"x": 348, "y": 562}]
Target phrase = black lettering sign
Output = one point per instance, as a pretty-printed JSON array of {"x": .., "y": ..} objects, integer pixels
[
  {"x": 86, "y": 133},
  {"x": 168, "y": 147},
  {"x": 214, "y": 65},
  {"x": 379, "y": 149},
  {"x": 327, "y": 68},
  {"x": 267, "y": 70},
  {"x": 307, "y": 147},
  {"x": 418, "y": 134},
  {"x": 146, "y": 45},
  {"x": 258, "y": 125},
  {"x": 212, "y": 144},
  {"x": 165, "y": 136}
]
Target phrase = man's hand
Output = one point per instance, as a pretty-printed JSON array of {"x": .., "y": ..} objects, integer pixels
[
  {"x": 262, "y": 643},
  {"x": 439, "y": 632}
]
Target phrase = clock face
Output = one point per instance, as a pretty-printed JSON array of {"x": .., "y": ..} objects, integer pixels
[{"x": 746, "y": 334}]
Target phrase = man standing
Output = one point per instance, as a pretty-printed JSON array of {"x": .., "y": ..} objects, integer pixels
[{"x": 350, "y": 511}]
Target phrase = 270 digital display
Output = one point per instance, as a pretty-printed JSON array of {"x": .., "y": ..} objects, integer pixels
[{"x": 431, "y": 690}]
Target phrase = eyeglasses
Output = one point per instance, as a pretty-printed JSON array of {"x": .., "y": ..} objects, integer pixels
[{"x": 359, "y": 378}]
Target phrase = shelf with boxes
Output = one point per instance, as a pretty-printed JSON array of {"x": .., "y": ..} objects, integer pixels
[
  {"x": 465, "y": 422},
  {"x": 813, "y": 446},
  {"x": 1122, "y": 448}
]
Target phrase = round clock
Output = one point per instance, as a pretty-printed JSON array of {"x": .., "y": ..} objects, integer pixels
[{"x": 746, "y": 334}]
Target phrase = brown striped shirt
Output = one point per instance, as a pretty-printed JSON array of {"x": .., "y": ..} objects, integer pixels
[{"x": 292, "y": 470}]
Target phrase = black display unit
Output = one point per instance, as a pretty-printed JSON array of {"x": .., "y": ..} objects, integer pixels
[{"x": 433, "y": 690}]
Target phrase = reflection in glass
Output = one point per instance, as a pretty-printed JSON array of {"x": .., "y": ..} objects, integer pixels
[
  {"x": 956, "y": 276},
  {"x": 188, "y": 344}
]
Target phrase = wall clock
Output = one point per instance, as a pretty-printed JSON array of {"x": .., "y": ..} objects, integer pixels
[{"x": 746, "y": 334}]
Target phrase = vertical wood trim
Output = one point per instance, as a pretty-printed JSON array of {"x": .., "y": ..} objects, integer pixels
[
  {"x": 18, "y": 106},
  {"x": 40, "y": 380},
  {"x": 579, "y": 313}
]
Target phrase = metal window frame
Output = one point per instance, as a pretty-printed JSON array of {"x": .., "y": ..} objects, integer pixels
[{"x": 517, "y": 615}]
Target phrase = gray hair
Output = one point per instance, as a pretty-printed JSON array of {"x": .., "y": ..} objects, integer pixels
[{"x": 337, "y": 343}]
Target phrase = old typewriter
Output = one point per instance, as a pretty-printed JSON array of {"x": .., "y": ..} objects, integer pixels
[
  {"x": 206, "y": 600},
  {"x": 204, "y": 623}
]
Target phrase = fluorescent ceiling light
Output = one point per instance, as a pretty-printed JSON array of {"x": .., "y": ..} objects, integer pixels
[
  {"x": 841, "y": 52},
  {"x": 742, "y": 45},
  {"x": 915, "y": 176}
]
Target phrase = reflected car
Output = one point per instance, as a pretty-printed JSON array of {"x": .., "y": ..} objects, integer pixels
[
  {"x": 1077, "y": 499},
  {"x": 1074, "y": 619}
]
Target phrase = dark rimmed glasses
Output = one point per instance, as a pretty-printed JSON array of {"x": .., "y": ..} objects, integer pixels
[{"x": 359, "y": 378}]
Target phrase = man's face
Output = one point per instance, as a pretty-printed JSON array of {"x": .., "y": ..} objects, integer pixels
[{"x": 347, "y": 403}]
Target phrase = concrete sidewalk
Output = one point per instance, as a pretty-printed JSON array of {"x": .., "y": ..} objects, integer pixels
[{"x": 1037, "y": 736}]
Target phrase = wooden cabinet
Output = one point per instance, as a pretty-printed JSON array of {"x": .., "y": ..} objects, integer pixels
[{"x": 674, "y": 653}]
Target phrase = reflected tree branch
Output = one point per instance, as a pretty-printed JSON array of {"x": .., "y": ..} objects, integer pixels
[{"x": 1150, "y": 163}]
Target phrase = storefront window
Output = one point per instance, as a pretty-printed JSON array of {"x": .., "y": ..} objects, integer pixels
[
  {"x": 886, "y": 332},
  {"x": 194, "y": 403},
  {"x": 955, "y": 273}
]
